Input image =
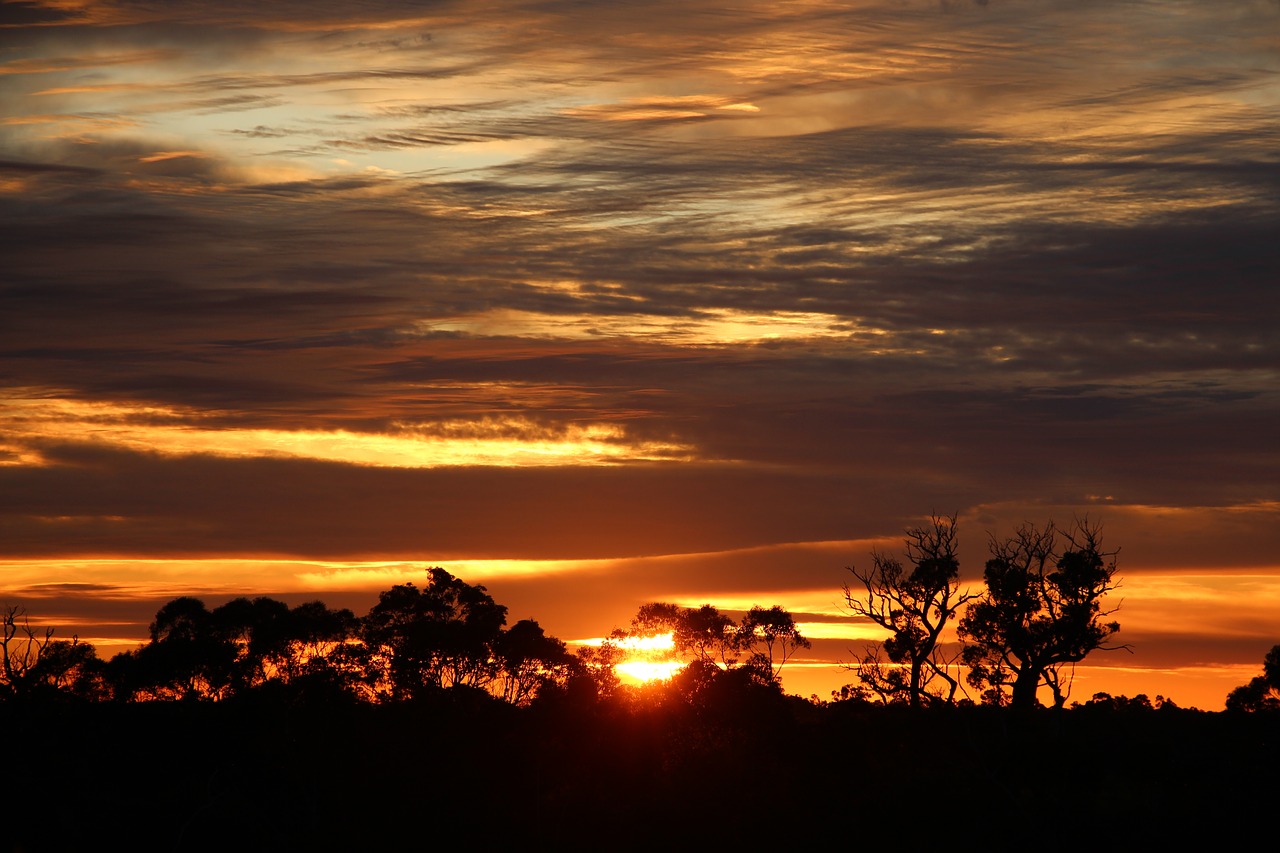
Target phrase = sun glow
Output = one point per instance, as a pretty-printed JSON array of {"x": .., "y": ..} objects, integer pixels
[
  {"x": 658, "y": 643},
  {"x": 643, "y": 671},
  {"x": 649, "y": 658}
]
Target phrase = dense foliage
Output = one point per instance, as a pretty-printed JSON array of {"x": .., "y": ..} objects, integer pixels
[
  {"x": 1261, "y": 693},
  {"x": 447, "y": 636},
  {"x": 1041, "y": 614}
]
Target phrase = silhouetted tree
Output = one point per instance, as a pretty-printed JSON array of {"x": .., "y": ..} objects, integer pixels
[
  {"x": 598, "y": 664},
  {"x": 279, "y": 647},
  {"x": 1041, "y": 613},
  {"x": 708, "y": 643},
  {"x": 260, "y": 630},
  {"x": 770, "y": 638},
  {"x": 21, "y": 647},
  {"x": 241, "y": 646},
  {"x": 1139, "y": 703},
  {"x": 433, "y": 638},
  {"x": 36, "y": 665},
  {"x": 695, "y": 678},
  {"x": 699, "y": 633},
  {"x": 1262, "y": 693},
  {"x": 189, "y": 656},
  {"x": 323, "y": 661},
  {"x": 71, "y": 668},
  {"x": 528, "y": 660},
  {"x": 915, "y": 606},
  {"x": 450, "y": 634}
]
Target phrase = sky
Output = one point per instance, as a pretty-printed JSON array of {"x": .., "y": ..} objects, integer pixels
[{"x": 599, "y": 303}]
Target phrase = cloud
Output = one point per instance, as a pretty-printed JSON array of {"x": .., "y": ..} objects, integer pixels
[
  {"x": 17, "y": 14},
  {"x": 856, "y": 261},
  {"x": 33, "y": 421}
]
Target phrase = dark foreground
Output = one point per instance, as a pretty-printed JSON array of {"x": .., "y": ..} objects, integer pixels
[{"x": 467, "y": 774}]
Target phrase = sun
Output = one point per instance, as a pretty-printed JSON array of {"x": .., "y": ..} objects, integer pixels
[
  {"x": 647, "y": 658},
  {"x": 644, "y": 671}
]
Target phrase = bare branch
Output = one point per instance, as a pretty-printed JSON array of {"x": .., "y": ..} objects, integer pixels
[{"x": 914, "y": 607}]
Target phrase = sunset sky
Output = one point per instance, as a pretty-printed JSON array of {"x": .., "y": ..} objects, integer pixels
[{"x": 597, "y": 303}]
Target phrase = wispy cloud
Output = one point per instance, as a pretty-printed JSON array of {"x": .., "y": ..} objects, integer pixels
[{"x": 314, "y": 279}]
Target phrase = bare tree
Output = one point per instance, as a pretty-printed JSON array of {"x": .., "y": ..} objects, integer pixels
[
  {"x": 36, "y": 664},
  {"x": 22, "y": 647},
  {"x": 915, "y": 606}
]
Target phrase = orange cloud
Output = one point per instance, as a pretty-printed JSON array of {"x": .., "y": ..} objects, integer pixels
[{"x": 484, "y": 441}]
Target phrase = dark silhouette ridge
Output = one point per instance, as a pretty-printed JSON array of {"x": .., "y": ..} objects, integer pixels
[{"x": 729, "y": 762}]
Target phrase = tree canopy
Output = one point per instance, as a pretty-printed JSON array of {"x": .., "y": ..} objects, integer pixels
[
  {"x": 1041, "y": 614},
  {"x": 1262, "y": 693}
]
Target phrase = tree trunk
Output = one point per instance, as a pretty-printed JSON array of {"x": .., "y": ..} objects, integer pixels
[{"x": 1024, "y": 688}]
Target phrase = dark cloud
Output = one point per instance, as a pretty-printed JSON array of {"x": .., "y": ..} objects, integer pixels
[
  {"x": 14, "y": 14},
  {"x": 60, "y": 589},
  {"x": 284, "y": 507},
  {"x": 37, "y": 168},
  {"x": 1034, "y": 257}
]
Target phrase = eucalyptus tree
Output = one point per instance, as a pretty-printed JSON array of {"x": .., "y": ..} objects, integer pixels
[
  {"x": 241, "y": 646},
  {"x": 702, "y": 634},
  {"x": 528, "y": 661},
  {"x": 771, "y": 638},
  {"x": 1262, "y": 693},
  {"x": 1042, "y": 612},
  {"x": 435, "y": 637},
  {"x": 914, "y": 605},
  {"x": 708, "y": 641}
]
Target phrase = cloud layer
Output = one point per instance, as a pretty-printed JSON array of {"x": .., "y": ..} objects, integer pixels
[{"x": 315, "y": 281}]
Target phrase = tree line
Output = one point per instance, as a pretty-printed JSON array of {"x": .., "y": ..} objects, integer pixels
[
  {"x": 415, "y": 642},
  {"x": 1041, "y": 612}
]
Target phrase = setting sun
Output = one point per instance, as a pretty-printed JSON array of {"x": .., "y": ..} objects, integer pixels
[
  {"x": 646, "y": 658},
  {"x": 641, "y": 671}
]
